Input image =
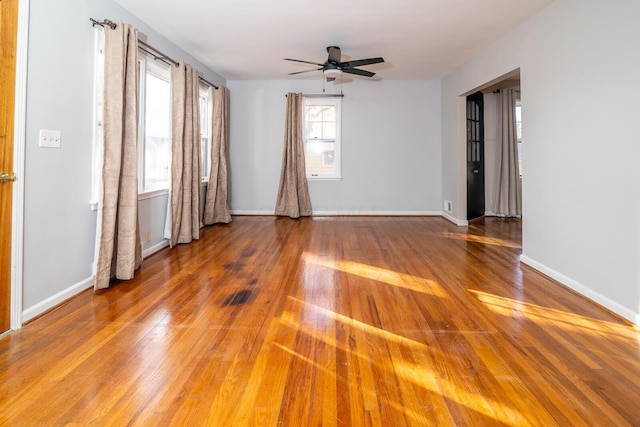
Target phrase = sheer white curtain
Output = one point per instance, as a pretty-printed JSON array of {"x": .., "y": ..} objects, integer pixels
[
  {"x": 184, "y": 212},
  {"x": 509, "y": 187},
  {"x": 216, "y": 208},
  {"x": 118, "y": 245},
  {"x": 293, "y": 193}
]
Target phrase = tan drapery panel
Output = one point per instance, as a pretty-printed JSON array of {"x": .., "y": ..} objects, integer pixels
[
  {"x": 185, "y": 155},
  {"x": 293, "y": 192},
  {"x": 216, "y": 208},
  {"x": 509, "y": 191},
  {"x": 119, "y": 248}
]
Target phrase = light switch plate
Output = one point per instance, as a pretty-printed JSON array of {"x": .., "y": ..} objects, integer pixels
[{"x": 49, "y": 138}]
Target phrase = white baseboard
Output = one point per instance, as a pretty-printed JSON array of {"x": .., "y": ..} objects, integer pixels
[
  {"x": 155, "y": 248},
  {"x": 628, "y": 314},
  {"x": 252, "y": 212},
  {"x": 346, "y": 213},
  {"x": 56, "y": 299},
  {"x": 456, "y": 221},
  {"x": 376, "y": 213}
]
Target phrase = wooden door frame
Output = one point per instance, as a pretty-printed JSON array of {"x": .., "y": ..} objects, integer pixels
[{"x": 19, "y": 147}]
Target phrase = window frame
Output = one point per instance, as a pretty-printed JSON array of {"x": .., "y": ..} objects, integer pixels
[
  {"x": 205, "y": 92},
  {"x": 98, "y": 118},
  {"x": 148, "y": 65},
  {"x": 335, "y": 101},
  {"x": 518, "y": 115}
]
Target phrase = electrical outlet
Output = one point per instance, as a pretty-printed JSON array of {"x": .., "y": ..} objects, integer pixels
[
  {"x": 49, "y": 138},
  {"x": 147, "y": 236},
  {"x": 448, "y": 206}
]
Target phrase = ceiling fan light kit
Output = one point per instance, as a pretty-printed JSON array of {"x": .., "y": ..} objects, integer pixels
[{"x": 332, "y": 72}]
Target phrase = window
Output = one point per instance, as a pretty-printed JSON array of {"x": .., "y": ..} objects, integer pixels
[
  {"x": 205, "y": 131},
  {"x": 322, "y": 137},
  {"x": 155, "y": 125},
  {"x": 98, "y": 116}
]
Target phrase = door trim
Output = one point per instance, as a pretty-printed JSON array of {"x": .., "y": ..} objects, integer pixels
[{"x": 19, "y": 146}]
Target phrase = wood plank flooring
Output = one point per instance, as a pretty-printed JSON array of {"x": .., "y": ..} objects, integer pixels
[{"x": 336, "y": 321}]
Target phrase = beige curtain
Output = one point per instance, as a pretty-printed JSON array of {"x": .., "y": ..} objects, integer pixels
[
  {"x": 216, "y": 208},
  {"x": 509, "y": 190},
  {"x": 293, "y": 193},
  {"x": 119, "y": 251},
  {"x": 185, "y": 155}
]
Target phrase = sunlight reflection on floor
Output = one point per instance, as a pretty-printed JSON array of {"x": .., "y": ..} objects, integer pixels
[
  {"x": 390, "y": 277},
  {"x": 569, "y": 321},
  {"x": 482, "y": 239},
  {"x": 420, "y": 375}
]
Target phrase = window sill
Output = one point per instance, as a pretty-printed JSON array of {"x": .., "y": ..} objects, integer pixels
[
  {"x": 153, "y": 194},
  {"x": 319, "y": 178},
  {"x": 162, "y": 192}
]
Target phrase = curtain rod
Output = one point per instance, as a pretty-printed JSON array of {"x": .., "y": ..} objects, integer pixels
[
  {"x": 146, "y": 47},
  {"x": 321, "y": 95}
]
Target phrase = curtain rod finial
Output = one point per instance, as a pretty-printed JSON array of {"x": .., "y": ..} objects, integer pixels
[{"x": 104, "y": 22}]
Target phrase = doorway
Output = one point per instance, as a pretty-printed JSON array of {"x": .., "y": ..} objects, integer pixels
[
  {"x": 8, "y": 53},
  {"x": 489, "y": 129},
  {"x": 475, "y": 156}
]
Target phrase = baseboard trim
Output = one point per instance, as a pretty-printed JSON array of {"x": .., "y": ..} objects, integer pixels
[
  {"x": 456, "y": 221},
  {"x": 376, "y": 213},
  {"x": 155, "y": 248},
  {"x": 445, "y": 215},
  {"x": 55, "y": 300},
  {"x": 346, "y": 213},
  {"x": 253, "y": 212},
  {"x": 613, "y": 306}
]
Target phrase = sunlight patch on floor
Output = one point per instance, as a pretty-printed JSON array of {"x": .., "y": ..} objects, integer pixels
[
  {"x": 553, "y": 317},
  {"x": 418, "y": 374},
  {"x": 370, "y": 393},
  {"x": 425, "y": 377},
  {"x": 482, "y": 239},
  {"x": 384, "y": 275},
  {"x": 389, "y": 336}
]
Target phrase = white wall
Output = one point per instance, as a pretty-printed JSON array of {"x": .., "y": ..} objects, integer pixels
[
  {"x": 581, "y": 194},
  {"x": 59, "y": 223},
  {"x": 390, "y": 147}
]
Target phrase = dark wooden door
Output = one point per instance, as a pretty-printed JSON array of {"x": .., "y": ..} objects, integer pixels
[{"x": 475, "y": 156}]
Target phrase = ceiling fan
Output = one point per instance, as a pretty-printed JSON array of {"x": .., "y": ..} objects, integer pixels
[{"x": 334, "y": 67}]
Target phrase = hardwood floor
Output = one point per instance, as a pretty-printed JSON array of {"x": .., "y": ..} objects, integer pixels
[{"x": 328, "y": 321}]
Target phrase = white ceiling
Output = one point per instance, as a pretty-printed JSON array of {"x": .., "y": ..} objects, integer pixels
[{"x": 248, "y": 39}]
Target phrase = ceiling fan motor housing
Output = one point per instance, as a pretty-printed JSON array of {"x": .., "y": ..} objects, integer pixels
[{"x": 334, "y": 56}]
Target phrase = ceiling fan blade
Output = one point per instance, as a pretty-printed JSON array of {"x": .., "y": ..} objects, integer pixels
[
  {"x": 361, "y": 62},
  {"x": 304, "y": 62},
  {"x": 358, "y": 72},
  {"x": 334, "y": 54},
  {"x": 305, "y": 71}
]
